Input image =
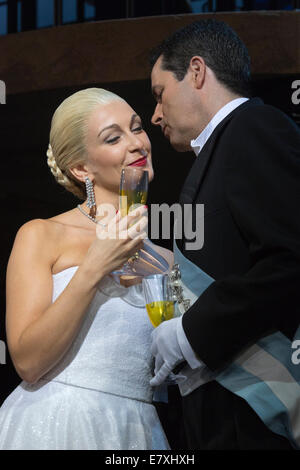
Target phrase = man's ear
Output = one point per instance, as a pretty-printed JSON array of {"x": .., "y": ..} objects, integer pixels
[{"x": 197, "y": 68}]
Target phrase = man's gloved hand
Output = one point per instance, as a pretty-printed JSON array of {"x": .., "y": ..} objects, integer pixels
[{"x": 166, "y": 350}]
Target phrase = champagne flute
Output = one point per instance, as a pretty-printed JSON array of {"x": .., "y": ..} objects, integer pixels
[
  {"x": 133, "y": 193},
  {"x": 133, "y": 189},
  {"x": 158, "y": 298}
]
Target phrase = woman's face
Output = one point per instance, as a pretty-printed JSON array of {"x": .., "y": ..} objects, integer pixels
[{"x": 115, "y": 140}]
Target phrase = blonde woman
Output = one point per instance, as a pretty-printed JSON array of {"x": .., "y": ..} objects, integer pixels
[{"x": 78, "y": 339}]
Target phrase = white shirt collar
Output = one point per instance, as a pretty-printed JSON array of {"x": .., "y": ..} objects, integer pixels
[{"x": 198, "y": 143}]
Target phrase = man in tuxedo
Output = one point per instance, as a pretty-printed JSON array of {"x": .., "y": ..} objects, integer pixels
[{"x": 247, "y": 175}]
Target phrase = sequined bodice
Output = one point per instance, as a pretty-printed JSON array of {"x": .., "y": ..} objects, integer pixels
[{"x": 112, "y": 351}]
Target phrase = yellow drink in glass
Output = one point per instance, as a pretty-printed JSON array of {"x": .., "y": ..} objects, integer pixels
[
  {"x": 159, "y": 303},
  {"x": 160, "y": 311},
  {"x": 130, "y": 199}
]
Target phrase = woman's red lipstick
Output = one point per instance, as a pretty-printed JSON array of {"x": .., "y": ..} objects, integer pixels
[{"x": 140, "y": 162}]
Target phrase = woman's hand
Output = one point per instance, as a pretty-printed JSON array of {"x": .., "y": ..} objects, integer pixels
[{"x": 116, "y": 243}]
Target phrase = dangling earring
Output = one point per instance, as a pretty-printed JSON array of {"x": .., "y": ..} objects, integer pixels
[{"x": 91, "y": 204}]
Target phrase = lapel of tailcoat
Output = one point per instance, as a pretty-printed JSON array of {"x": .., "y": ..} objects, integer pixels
[{"x": 196, "y": 175}]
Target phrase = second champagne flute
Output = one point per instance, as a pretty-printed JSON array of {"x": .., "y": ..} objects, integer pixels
[{"x": 158, "y": 298}]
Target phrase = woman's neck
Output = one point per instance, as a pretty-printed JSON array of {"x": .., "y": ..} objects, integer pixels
[{"x": 107, "y": 204}]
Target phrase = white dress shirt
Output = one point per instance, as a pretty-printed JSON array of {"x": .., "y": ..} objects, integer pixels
[{"x": 197, "y": 145}]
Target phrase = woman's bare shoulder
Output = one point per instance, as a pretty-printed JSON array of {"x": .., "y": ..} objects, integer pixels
[
  {"x": 36, "y": 235},
  {"x": 52, "y": 242},
  {"x": 44, "y": 228},
  {"x": 52, "y": 226},
  {"x": 43, "y": 233}
]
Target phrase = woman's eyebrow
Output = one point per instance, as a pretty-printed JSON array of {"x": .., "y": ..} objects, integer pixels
[
  {"x": 116, "y": 126},
  {"x": 112, "y": 126},
  {"x": 133, "y": 118}
]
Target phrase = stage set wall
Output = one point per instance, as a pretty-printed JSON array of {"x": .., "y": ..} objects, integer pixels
[{"x": 40, "y": 68}]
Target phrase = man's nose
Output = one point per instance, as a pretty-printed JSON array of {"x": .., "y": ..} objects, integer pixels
[{"x": 157, "y": 115}]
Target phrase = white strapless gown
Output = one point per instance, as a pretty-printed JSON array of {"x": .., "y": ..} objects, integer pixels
[{"x": 98, "y": 396}]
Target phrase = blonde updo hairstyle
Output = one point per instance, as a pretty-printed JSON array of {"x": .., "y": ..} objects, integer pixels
[{"x": 68, "y": 132}]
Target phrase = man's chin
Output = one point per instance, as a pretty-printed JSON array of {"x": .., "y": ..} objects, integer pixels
[{"x": 180, "y": 146}]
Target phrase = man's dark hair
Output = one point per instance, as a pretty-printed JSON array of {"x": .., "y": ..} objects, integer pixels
[{"x": 221, "y": 48}]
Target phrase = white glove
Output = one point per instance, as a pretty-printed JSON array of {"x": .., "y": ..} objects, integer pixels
[{"x": 166, "y": 350}]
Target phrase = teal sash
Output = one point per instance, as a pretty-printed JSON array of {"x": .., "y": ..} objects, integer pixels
[{"x": 264, "y": 375}]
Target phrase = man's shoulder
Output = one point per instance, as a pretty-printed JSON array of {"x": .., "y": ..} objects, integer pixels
[{"x": 256, "y": 112}]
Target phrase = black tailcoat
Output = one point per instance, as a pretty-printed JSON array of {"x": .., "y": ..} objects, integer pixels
[{"x": 248, "y": 178}]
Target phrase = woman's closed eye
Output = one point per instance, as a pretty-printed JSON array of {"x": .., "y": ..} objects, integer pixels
[
  {"x": 112, "y": 140},
  {"x": 138, "y": 128}
]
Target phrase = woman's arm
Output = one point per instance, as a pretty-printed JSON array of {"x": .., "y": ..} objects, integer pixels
[{"x": 40, "y": 332}]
